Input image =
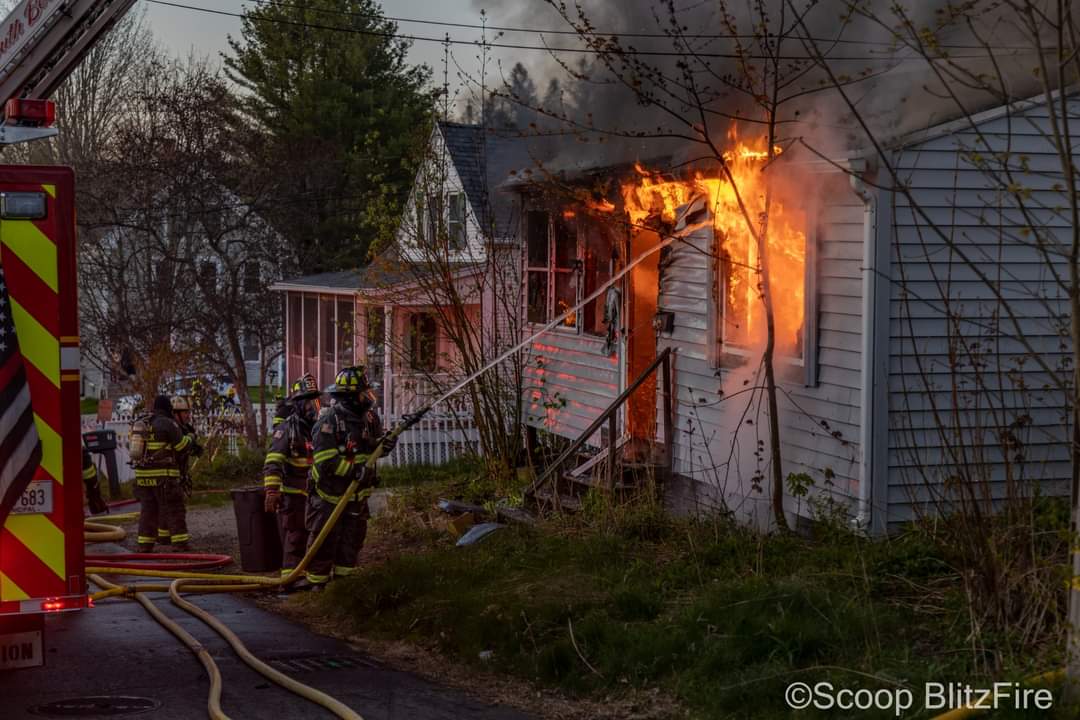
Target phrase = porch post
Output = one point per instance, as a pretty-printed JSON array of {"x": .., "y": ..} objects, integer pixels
[
  {"x": 360, "y": 331},
  {"x": 287, "y": 370},
  {"x": 388, "y": 363}
]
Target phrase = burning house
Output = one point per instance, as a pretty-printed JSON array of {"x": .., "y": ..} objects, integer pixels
[{"x": 913, "y": 315}]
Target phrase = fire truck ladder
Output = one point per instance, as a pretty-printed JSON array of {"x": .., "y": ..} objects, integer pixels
[{"x": 40, "y": 44}]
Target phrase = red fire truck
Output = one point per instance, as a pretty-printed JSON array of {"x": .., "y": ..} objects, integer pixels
[{"x": 41, "y": 541}]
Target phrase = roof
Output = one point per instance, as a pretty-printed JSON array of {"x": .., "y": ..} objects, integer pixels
[
  {"x": 967, "y": 123},
  {"x": 385, "y": 272},
  {"x": 466, "y": 147},
  {"x": 483, "y": 160}
]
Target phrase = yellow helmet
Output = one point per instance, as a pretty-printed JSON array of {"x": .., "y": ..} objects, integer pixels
[
  {"x": 350, "y": 380},
  {"x": 180, "y": 403}
]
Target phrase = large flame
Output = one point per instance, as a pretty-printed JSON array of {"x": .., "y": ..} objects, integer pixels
[{"x": 737, "y": 228}]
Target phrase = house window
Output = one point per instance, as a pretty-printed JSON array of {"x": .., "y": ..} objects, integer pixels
[
  {"x": 738, "y": 304},
  {"x": 251, "y": 347},
  {"x": 566, "y": 262},
  {"x": 597, "y": 258},
  {"x": 252, "y": 280},
  {"x": 537, "y": 242},
  {"x": 456, "y": 224},
  {"x": 423, "y": 342},
  {"x": 208, "y": 275},
  {"x": 552, "y": 267}
]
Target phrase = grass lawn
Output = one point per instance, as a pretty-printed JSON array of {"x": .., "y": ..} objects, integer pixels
[
  {"x": 718, "y": 617},
  {"x": 273, "y": 393}
]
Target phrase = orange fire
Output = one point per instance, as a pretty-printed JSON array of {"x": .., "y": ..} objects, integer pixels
[{"x": 737, "y": 229}]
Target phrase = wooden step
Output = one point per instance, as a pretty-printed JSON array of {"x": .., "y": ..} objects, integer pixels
[{"x": 594, "y": 481}]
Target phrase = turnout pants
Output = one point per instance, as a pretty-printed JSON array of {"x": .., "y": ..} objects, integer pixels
[
  {"x": 149, "y": 512},
  {"x": 340, "y": 554},
  {"x": 172, "y": 524},
  {"x": 293, "y": 531}
]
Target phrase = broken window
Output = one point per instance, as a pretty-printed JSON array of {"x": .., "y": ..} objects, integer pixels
[
  {"x": 566, "y": 261},
  {"x": 536, "y": 231},
  {"x": 739, "y": 306},
  {"x": 597, "y": 259}
]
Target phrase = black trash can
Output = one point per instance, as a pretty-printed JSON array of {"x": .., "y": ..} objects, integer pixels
[{"x": 260, "y": 544}]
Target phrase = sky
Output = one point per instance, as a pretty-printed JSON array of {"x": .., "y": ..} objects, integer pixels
[{"x": 183, "y": 30}]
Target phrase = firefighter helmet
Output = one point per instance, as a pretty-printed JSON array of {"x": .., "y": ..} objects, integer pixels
[
  {"x": 350, "y": 381},
  {"x": 304, "y": 388},
  {"x": 181, "y": 403}
]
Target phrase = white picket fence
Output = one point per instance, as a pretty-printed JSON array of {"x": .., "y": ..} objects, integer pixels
[{"x": 436, "y": 439}]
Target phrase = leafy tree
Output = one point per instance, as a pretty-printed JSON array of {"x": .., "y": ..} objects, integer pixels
[{"x": 342, "y": 111}]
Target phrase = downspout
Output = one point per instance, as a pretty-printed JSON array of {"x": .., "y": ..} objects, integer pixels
[{"x": 869, "y": 335}]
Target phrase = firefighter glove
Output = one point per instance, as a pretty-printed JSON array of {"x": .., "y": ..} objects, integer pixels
[{"x": 272, "y": 501}]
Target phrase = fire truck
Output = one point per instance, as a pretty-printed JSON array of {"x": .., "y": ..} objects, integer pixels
[{"x": 41, "y": 541}]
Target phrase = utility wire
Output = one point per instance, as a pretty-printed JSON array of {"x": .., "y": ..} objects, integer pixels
[
  {"x": 542, "y": 48},
  {"x": 592, "y": 33}
]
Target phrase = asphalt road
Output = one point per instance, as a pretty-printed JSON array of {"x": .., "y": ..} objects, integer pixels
[{"x": 116, "y": 649}]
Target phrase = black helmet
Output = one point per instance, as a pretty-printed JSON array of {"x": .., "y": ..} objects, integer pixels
[
  {"x": 350, "y": 381},
  {"x": 162, "y": 404},
  {"x": 304, "y": 388}
]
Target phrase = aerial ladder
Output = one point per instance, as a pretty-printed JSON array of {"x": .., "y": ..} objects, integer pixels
[
  {"x": 42, "y": 562},
  {"x": 41, "y": 42}
]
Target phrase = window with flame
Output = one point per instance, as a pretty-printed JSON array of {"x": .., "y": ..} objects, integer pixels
[
  {"x": 739, "y": 293},
  {"x": 563, "y": 266}
]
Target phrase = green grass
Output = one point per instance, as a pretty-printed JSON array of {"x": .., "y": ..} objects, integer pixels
[
  {"x": 273, "y": 393},
  {"x": 455, "y": 472},
  {"x": 228, "y": 471},
  {"x": 719, "y": 617}
]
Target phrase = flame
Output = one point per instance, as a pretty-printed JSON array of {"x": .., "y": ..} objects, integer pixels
[
  {"x": 603, "y": 205},
  {"x": 736, "y": 230}
]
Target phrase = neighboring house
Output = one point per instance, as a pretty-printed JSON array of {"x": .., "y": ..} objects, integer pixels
[
  {"x": 252, "y": 248},
  {"x": 392, "y": 316},
  {"x": 885, "y": 403}
]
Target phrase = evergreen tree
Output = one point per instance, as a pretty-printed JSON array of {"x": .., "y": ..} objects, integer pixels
[{"x": 343, "y": 114}]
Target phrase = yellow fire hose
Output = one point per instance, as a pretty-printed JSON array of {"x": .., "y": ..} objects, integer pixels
[
  {"x": 963, "y": 713},
  {"x": 200, "y": 583}
]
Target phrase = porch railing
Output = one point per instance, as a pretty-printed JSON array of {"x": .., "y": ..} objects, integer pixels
[{"x": 447, "y": 432}]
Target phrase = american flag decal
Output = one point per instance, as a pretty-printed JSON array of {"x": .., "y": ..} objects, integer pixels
[{"x": 20, "y": 446}]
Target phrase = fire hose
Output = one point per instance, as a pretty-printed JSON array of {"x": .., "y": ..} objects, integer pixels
[
  {"x": 198, "y": 583},
  {"x": 201, "y": 583}
]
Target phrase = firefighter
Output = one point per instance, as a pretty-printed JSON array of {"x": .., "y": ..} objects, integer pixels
[
  {"x": 166, "y": 443},
  {"x": 342, "y": 440},
  {"x": 285, "y": 407},
  {"x": 172, "y": 493},
  {"x": 92, "y": 483},
  {"x": 285, "y": 471}
]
